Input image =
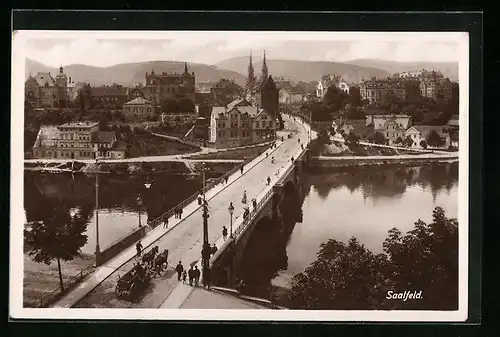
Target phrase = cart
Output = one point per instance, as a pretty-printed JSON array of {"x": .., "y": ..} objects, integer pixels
[{"x": 135, "y": 279}]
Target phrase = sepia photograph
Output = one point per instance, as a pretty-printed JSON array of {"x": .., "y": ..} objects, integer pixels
[{"x": 267, "y": 175}]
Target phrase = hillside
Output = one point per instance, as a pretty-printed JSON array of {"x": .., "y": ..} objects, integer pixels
[
  {"x": 448, "y": 69},
  {"x": 128, "y": 73},
  {"x": 304, "y": 70}
]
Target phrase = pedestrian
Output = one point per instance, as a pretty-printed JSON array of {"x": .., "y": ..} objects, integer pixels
[
  {"x": 298, "y": 140},
  {"x": 199, "y": 198},
  {"x": 227, "y": 178},
  {"x": 213, "y": 250},
  {"x": 241, "y": 169},
  {"x": 302, "y": 146},
  {"x": 292, "y": 159},
  {"x": 268, "y": 181},
  {"x": 179, "y": 269},
  {"x": 254, "y": 203},
  {"x": 197, "y": 275},
  {"x": 176, "y": 212},
  {"x": 266, "y": 155},
  {"x": 180, "y": 210},
  {"x": 191, "y": 276},
  {"x": 138, "y": 247},
  {"x": 165, "y": 223},
  {"x": 224, "y": 233},
  {"x": 184, "y": 277}
]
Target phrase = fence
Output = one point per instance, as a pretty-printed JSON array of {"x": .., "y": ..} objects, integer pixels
[
  {"x": 247, "y": 221},
  {"x": 47, "y": 299},
  {"x": 154, "y": 223}
]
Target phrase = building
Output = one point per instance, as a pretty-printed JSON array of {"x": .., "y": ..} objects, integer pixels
[
  {"x": 109, "y": 96},
  {"x": 226, "y": 91},
  {"x": 77, "y": 140},
  {"x": 438, "y": 89},
  {"x": 348, "y": 125},
  {"x": 381, "y": 91},
  {"x": 391, "y": 126},
  {"x": 169, "y": 86},
  {"x": 242, "y": 123},
  {"x": 290, "y": 96},
  {"x": 139, "y": 109},
  {"x": 43, "y": 90},
  {"x": 329, "y": 80},
  {"x": 419, "y": 133}
]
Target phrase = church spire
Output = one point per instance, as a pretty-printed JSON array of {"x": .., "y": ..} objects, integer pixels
[
  {"x": 251, "y": 74},
  {"x": 265, "y": 73},
  {"x": 185, "y": 67}
]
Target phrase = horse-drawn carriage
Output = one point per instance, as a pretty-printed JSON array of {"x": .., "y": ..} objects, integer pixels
[
  {"x": 141, "y": 274},
  {"x": 133, "y": 280}
]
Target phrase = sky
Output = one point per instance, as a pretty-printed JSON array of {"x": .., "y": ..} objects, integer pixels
[{"x": 104, "y": 49}]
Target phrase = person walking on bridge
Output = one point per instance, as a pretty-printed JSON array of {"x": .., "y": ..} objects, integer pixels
[
  {"x": 197, "y": 275},
  {"x": 268, "y": 181},
  {"x": 244, "y": 199},
  {"x": 138, "y": 247},
  {"x": 191, "y": 276},
  {"x": 241, "y": 169},
  {"x": 179, "y": 269},
  {"x": 165, "y": 223},
  {"x": 224, "y": 233}
]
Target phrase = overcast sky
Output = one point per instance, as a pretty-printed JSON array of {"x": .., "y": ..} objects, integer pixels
[{"x": 109, "y": 48}]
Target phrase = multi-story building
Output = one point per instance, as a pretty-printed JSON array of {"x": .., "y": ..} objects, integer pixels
[
  {"x": 379, "y": 91},
  {"x": 169, "y": 86},
  {"x": 420, "y": 133},
  {"x": 391, "y": 126},
  {"x": 77, "y": 140},
  {"x": 290, "y": 96},
  {"x": 139, "y": 109},
  {"x": 438, "y": 89},
  {"x": 109, "y": 96},
  {"x": 329, "y": 80},
  {"x": 44, "y": 90},
  {"x": 226, "y": 91},
  {"x": 241, "y": 122}
]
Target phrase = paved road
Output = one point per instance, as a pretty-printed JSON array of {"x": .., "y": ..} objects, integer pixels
[{"x": 185, "y": 240}]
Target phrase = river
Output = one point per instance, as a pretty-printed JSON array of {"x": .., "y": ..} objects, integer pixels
[
  {"x": 118, "y": 206},
  {"x": 363, "y": 202}
]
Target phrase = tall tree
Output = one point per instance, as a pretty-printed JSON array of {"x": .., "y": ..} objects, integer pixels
[
  {"x": 58, "y": 236},
  {"x": 434, "y": 139},
  {"x": 344, "y": 277},
  {"x": 379, "y": 138},
  {"x": 354, "y": 96},
  {"x": 335, "y": 99}
]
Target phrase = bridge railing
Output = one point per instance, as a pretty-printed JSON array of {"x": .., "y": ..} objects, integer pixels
[
  {"x": 158, "y": 220},
  {"x": 248, "y": 220}
]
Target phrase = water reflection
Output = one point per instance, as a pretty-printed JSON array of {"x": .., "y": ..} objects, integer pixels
[
  {"x": 118, "y": 208},
  {"x": 363, "y": 202}
]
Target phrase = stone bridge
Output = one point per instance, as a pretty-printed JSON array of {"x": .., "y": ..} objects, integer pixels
[{"x": 225, "y": 263}]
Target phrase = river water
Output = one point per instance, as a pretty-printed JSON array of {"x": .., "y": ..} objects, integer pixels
[
  {"x": 338, "y": 204},
  {"x": 118, "y": 207}
]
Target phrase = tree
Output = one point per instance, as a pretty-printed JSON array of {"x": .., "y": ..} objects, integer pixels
[
  {"x": 170, "y": 105},
  {"x": 348, "y": 276},
  {"x": 407, "y": 142},
  {"x": 398, "y": 140},
  {"x": 323, "y": 136},
  {"x": 345, "y": 276},
  {"x": 186, "y": 105},
  {"x": 351, "y": 139},
  {"x": 353, "y": 112},
  {"x": 423, "y": 144},
  {"x": 354, "y": 96},
  {"x": 426, "y": 258},
  {"x": 379, "y": 138},
  {"x": 334, "y": 98},
  {"x": 434, "y": 139},
  {"x": 58, "y": 236}
]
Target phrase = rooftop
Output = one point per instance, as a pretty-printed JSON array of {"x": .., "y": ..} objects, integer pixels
[
  {"x": 104, "y": 137},
  {"x": 79, "y": 124},
  {"x": 138, "y": 101}
]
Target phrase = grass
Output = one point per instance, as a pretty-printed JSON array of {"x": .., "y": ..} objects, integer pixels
[
  {"x": 41, "y": 281},
  {"x": 234, "y": 153},
  {"x": 155, "y": 146}
]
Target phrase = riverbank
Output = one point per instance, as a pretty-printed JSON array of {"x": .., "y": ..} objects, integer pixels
[{"x": 324, "y": 162}]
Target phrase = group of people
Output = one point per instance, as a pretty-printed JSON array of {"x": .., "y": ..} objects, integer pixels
[
  {"x": 178, "y": 212},
  {"x": 193, "y": 274}
]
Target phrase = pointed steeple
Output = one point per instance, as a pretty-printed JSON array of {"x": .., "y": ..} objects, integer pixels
[
  {"x": 251, "y": 74},
  {"x": 265, "y": 73},
  {"x": 185, "y": 67}
]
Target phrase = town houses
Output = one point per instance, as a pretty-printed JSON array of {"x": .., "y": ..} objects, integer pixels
[
  {"x": 77, "y": 140},
  {"x": 329, "y": 80}
]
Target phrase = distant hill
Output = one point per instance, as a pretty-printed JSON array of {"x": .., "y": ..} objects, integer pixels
[
  {"x": 449, "y": 69},
  {"x": 306, "y": 71},
  {"x": 129, "y": 73}
]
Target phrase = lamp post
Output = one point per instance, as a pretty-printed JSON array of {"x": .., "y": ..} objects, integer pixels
[
  {"x": 205, "y": 254},
  {"x": 97, "y": 249},
  {"x": 231, "y": 211}
]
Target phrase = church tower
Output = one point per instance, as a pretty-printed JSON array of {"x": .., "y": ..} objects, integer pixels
[
  {"x": 251, "y": 76},
  {"x": 269, "y": 98},
  {"x": 265, "y": 72}
]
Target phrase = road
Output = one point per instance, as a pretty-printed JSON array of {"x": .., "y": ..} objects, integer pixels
[{"x": 185, "y": 240}]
